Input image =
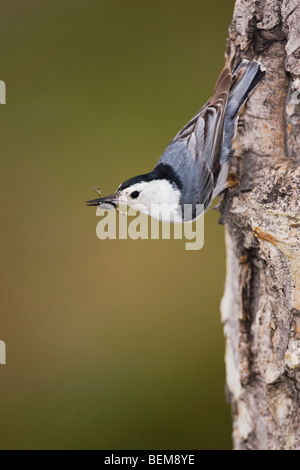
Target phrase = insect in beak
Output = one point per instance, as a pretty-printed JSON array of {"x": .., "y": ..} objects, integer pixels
[{"x": 107, "y": 202}]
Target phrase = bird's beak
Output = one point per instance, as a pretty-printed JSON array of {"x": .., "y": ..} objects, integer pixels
[{"x": 110, "y": 202}]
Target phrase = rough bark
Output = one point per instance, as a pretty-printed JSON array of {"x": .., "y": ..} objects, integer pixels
[{"x": 261, "y": 303}]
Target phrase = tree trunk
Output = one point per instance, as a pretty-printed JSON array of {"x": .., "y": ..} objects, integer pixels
[{"x": 261, "y": 303}]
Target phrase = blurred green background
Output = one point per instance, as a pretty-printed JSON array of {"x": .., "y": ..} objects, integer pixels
[{"x": 110, "y": 344}]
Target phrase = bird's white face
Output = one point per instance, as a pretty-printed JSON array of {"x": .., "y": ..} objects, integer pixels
[{"x": 157, "y": 198}]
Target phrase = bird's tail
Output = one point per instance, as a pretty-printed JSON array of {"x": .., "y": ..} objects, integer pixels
[{"x": 245, "y": 78}]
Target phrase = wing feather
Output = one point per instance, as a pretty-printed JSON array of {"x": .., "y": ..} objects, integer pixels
[
  {"x": 195, "y": 151},
  {"x": 203, "y": 134}
]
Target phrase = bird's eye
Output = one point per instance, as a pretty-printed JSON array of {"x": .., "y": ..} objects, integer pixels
[{"x": 135, "y": 194}]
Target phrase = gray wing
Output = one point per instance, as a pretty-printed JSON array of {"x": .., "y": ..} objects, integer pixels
[{"x": 195, "y": 151}]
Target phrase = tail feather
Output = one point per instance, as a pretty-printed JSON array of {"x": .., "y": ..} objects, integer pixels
[{"x": 245, "y": 78}]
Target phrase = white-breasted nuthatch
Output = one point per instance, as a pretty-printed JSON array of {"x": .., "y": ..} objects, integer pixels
[{"x": 194, "y": 168}]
